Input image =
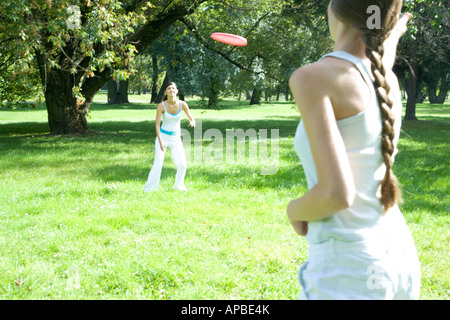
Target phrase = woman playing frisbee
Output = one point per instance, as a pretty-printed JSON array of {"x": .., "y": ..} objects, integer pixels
[
  {"x": 169, "y": 135},
  {"x": 359, "y": 244}
]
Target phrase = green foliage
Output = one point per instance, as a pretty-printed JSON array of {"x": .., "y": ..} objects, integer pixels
[
  {"x": 426, "y": 42},
  {"x": 37, "y": 38},
  {"x": 41, "y": 29},
  {"x": 16, "y": 87},
  {"x": 281, "y": 37}
]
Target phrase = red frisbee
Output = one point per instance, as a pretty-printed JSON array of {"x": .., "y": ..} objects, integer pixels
[{"x": 229, "y": 38}]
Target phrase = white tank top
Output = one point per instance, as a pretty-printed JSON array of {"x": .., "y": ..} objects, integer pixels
[
  {"x": 361, "y": 134},
  {"x": 171, "y": 122}
]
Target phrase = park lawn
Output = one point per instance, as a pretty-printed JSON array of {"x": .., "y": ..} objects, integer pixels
[{"x": 76, "y": 224}]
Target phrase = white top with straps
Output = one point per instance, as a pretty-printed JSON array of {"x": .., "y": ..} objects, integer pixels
[
  {"x": 171, "y": 122},
  {"x": 361, "y": 134}
]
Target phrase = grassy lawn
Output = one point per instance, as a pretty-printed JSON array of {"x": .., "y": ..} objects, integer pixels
[{"x": 76, "y": 224}]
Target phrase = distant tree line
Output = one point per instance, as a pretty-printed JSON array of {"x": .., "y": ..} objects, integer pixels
[{"x": 64, "y": 55}]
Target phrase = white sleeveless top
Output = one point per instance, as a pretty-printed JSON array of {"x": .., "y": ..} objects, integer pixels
[
  {"x": 171, "y": 122},
  {"x": 361, "y": 134}
]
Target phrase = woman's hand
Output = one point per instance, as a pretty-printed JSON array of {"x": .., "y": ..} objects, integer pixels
[
  {"x": 162, "y": 146},
  {"x": 401, "y": 26},
  {"x": 300, "y": 227},
  {"x": 188, "y": 113},
  {"x": 390, "y": 44}
]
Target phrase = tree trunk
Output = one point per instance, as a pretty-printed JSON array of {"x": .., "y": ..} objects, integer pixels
[
  {"x": 443, "y": 90},
  {"x": 66, "y": 114},
  {"x": 117, "y": 94},
  {"x": 410, "y": 113},
  {"x": 256, "y": 96},
  {"x": 213, "y": 91},
  {"x": 267, "y": 94},
  {"x": 162, "y": 90},
  {"x": 286, "y": 94},
  {"x": 413, "y": 81},
  {"x": 278, "y": 93},
  {"x": 155, "y": 73},
  {"x": 123, "y": 91},
  {"x": 420, "y": 94},
  {"x": 113, "y": 95}
]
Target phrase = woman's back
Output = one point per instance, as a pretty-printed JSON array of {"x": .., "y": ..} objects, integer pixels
[{"x": 359, "y": 122}]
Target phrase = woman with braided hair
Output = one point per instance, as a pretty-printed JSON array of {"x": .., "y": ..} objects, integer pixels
[{"x": 360, "y": 246}]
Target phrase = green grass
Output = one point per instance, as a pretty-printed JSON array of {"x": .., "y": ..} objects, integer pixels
[{"x": 76, "y": 224}]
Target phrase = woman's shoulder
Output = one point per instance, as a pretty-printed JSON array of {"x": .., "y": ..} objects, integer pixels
[
  {"x": 311, "y": 76},
  {"x": 324, "y": 69},
  {"x": 328, "y": 74},
  {"x": 317, "y": 72},
  {"x": 183, "y": 103},
  {"x": 160, "y": 106}
]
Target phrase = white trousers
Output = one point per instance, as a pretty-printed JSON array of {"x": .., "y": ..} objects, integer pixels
[
  {"x": 175, "y": 145},
  {"x": 385, "y": 268}
]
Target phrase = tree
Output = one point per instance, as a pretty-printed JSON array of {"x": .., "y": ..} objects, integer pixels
[
  {"x": 117, "y": 91},
  {"x": 424, "y": 53},
  {"x": 77, "y": 49},
  {"x": 155, "y": 72},
  {"x": 16, "y": 85},
  {"x": 282, "y": 36}
]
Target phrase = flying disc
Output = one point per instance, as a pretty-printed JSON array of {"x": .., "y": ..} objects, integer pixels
[{"x": 229, "y": 38}]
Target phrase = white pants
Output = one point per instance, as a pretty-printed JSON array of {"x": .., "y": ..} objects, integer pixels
[
  {"x": 179, "y": 158},
  {"x": 383, "y": 268}
]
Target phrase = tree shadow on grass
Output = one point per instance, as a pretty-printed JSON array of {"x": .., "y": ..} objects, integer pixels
[
  {"x": 286, "y": 126},
  {"x": 250, "y": 177},
  {"x": 422, "y": 159},
  {"x": 28, "y": 129},
  {"x": 123, "y": 173},
  {"x": 422, "y": 166},
  {"x": 195, "y": 104}
]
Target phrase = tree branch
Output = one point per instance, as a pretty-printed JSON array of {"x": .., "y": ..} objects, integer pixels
[
  {"x": 222, "y": 2},
  {"x": 226, "y": 55},
  {"x": 145, "y": 36},
  {"x": 411, "y": 69}
]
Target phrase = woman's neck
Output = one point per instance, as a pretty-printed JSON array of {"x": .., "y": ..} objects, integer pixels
[
  {"x": 172, "y": 100},
  {"x": 349, "y": 40}
]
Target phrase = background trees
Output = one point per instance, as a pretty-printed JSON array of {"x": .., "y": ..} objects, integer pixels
[
  {"x": 280, "y": 39},
  {"x": 77, "y": 51},
  {"x": 65, "y": 56},
  {"x": 423, "y": 66}
]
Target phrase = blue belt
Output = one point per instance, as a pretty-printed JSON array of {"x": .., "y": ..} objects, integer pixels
[{"x": 170, "y": 133}]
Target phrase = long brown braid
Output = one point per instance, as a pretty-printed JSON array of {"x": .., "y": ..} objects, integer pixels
[
  {"x": 390, "y": 191},
  {"x": 354, "y": 13}
]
